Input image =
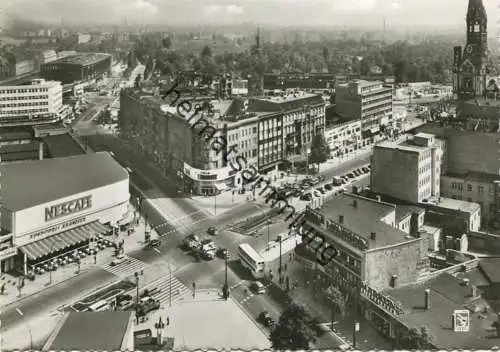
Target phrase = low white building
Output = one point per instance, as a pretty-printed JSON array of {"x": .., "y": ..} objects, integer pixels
[
  {"x": 54, "y": 206},
  {"x": 344, "y": 138}
]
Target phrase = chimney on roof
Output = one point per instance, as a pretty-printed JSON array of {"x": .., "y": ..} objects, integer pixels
[
  {"x": 341, "y": 219},
  {"x": 379, "y": 199},
  {"x": 355, "y": 203},
  {"x": 373, "y": 235},
  {"x": 427, "y": 299}
]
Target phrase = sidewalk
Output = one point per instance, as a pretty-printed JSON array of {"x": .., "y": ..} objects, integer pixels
[
  {"x": 131, "y": 243},
  {"x": 367, "y": 338}
]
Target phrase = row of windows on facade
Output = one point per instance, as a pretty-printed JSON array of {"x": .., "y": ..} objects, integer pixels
[
  {"x": 378, "y": 97},
  {"x": 32, "y": 111},
  {"x": 26, "y": 90},
  {"x": 424, "y": 168},
  {"x": 38, "y": 103},
  {"x": 425, "y": 193},
  {"x": 313, "y": 113},
  {"x": 33, "y": 97},
  {"x": 366, "y": 103},
  {"x": 460, "y": 187},
  {"x": 425, "y": 180},
  {"x": 381, "y": 107},
  {"x": 346, "y": 133}
]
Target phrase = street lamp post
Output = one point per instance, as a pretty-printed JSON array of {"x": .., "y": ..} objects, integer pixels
[
  {"x": 268, "y": 237},
  {"x": 225, "y": 289},
  {"x": 280, "y": 268},
  {"x": 169, "y": 286},
  {"x": 136, "y": 275}
]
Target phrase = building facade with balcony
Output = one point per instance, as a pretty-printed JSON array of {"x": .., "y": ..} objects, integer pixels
[
  {"x": 409, "y": 170},
  {"x": 369, "y": 101},
  {"x": 40, "y": 102}
]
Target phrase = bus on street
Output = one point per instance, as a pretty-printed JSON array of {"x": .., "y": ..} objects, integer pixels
[{"x": 251, "y": 260}]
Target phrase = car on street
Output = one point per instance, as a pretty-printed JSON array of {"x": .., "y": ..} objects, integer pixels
[
  {"x": 191, "y": 242},
  {"x": 265, "y": 319},
  {"x": 212, "y": 231},
  {"x": 365, "y": 169},
  {"x": 120, "y": 258},
  {"x": 126, "y": 305},
  {"x": 257, "y": 287},
  {"x": 351, "y": 175},
  {"x": 153, "y": 244},
  {"x": 328, "y": 187},
  {"x": 222, "y": 253}
]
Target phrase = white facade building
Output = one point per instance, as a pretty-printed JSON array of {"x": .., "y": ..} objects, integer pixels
[
  {"x": 40, "y": 100},
  {"x": 42, "y": 217}
]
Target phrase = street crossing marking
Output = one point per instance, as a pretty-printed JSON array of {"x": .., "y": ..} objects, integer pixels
[
  {"x": 126, "y": 268},
  {"x": 178, "y": 290}
]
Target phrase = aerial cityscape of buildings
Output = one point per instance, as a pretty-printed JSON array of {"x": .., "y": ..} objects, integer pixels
[{"x": 126, "y": 223}]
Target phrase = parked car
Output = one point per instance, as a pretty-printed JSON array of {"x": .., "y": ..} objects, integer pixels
[
  {"x": 328, "y": 187},
  {"x": 356, "y": 172},
  {"x": 321, "y": 190},
  {"x": 351, "y": 175},
  {"x": 258, "y": 287},
  {"x": 306, "y": 197},
  {"x": 120, "y": 258},
  {"x": 212, "y": 231},
  {"x": 365, "y": 169},
  {"x": 265, "y": 319}
]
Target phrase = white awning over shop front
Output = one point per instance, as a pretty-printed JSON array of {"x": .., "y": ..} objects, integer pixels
[
  {"x": 63, "y": 240},
  {"x": 127, "y": 218}
]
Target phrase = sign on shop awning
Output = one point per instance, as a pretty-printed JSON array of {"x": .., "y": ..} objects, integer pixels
[{"x": 63, "y": 240}]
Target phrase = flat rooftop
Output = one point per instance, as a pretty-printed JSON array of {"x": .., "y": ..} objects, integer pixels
[
  {"x": 447, "y": 293},
  {"x": 83, "y": 59},
  {"x": 364, "y": 218},
  {"x": 287, "y": 98},
  {"x": 455, "y": 204},
  {"x": 91, "y": 331},
  {"x": 475, "y": 176},
  {"x": 407, "y": 145},
  {"x": 213, "y": 324},
  {"x": 26, "y": 184}
]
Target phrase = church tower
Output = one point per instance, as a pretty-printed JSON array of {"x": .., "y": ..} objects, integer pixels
[{"x": 469, "y": 65}]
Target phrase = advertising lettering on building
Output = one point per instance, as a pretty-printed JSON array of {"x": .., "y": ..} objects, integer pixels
[{"x": 67, "y": 208}]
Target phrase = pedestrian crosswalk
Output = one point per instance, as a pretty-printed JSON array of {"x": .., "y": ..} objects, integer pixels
[
  {"x": 169, "y": 289},
  {"x": 125, "y": 268},
  {"x": 184, "y": 224}
]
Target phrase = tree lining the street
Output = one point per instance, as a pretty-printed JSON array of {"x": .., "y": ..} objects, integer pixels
[
  {"x": 295, "y": 329},
  {"x": 320, "y": 150}
]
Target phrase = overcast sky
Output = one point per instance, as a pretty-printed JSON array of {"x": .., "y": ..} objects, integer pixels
[{"x": 281, "y": 12}]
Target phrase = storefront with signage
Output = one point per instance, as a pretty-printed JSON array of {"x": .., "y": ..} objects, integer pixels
[
  {"x": 209, "y": 182},
  {"x": 82, "y": 198}
]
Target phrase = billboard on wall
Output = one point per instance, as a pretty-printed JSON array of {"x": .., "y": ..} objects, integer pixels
[{"x": 66, "y": 210}]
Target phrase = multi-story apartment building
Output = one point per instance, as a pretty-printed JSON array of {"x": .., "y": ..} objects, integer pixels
[
  {"x": 473, "y": 187},
  {"x": 365, "y": 232},
  {"x": 408, "y": 170},
  {"x": 40, "y": 102},
  {"x": 369, "y": 101},
  {"x": 344, "y": 138},
  {"x": 290, "y": 127},
  {"x": 178, "y": 145}
]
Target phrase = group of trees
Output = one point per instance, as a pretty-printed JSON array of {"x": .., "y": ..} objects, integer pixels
[
  {"x": 296, "y": 330},
  {"x": 424, "y": 61}
]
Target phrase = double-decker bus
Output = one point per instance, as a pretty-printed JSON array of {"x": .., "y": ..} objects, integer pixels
[{"x": 251, "y": 260}]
